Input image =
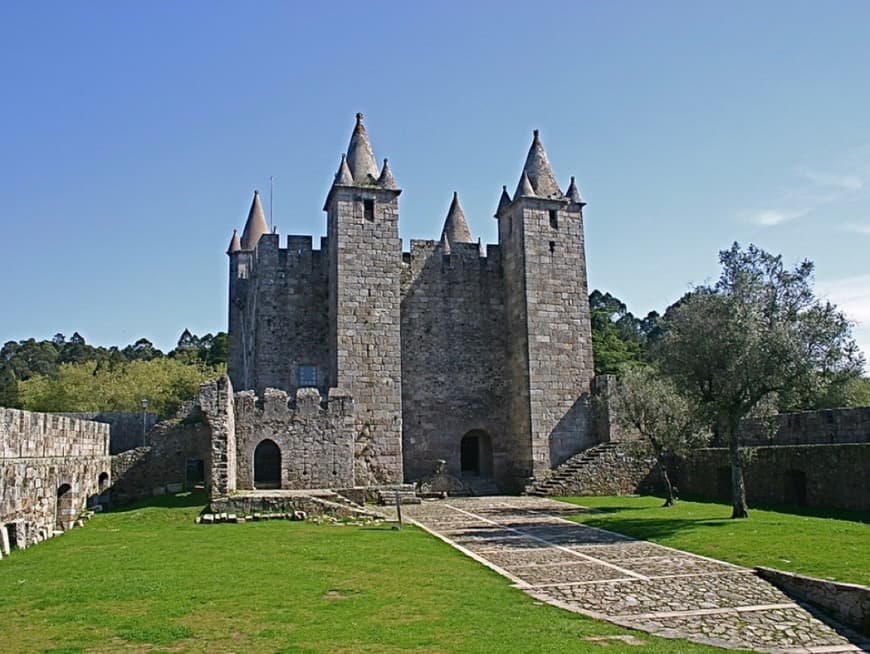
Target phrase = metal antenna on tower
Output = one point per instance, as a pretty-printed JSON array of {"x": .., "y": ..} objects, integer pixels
[{"x": 271, "y": 192}]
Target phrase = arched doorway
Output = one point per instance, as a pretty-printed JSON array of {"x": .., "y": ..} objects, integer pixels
[
  {"x": 475, "y": 454},
  {"x": 267, "y": 465},
  {"x": 65, "y": 511},
  {"x": 103, "y": 482}
]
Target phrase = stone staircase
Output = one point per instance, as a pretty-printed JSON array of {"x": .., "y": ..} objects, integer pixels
[{"x": 557, "y": 482}]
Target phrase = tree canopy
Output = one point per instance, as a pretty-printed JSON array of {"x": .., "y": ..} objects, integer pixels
[
  {"x": 758, "y": 337},
  {"x": 51, "y": 375}
]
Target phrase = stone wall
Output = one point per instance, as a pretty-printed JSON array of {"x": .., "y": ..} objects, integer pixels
[
  {"x": 830, "y": 476},
  {"x": 278, "y": 315},
  {"x": 831, "y": 426},
  {"x": 178, "y": 452},
  {"x": 125, "y": 428},
  {"x": 453, "y": 358},
  {"x": 50, "y": 466},
  {"x": 849, "y": 604}
]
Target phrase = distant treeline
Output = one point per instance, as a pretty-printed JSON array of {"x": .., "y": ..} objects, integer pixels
[{"x": 70, "y": 375}]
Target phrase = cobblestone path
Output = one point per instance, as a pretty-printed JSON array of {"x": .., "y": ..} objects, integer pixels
[{"x": 629, "y": 582}]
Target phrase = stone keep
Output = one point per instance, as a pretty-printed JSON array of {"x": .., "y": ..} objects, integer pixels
[{"x": 480, "y": 357}]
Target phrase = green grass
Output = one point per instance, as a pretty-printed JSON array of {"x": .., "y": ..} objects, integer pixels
[
  {"x": 148, "y": 579},
  {"x": 826, "y": 544}
]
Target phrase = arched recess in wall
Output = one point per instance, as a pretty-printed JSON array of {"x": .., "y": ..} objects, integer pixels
[
  {"x": 65, "y": 510},
  {"x": 103, "y": 482},
  {"x": 267, "y": 465},
  {"x": 475, "y": 454}
]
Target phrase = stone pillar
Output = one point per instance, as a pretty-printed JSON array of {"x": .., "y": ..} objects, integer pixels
[{"x": 216, "y": 401}]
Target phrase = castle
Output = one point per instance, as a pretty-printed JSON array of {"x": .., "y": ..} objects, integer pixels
[{"x": 482, "y": 358}]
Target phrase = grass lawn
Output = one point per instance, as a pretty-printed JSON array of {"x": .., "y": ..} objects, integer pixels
[
  {"x": 826, "y": 544},
  {"x": 149, "y": 579}
]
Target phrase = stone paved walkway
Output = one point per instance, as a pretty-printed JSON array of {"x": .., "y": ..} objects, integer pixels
[{"x": 629, "y": 582}]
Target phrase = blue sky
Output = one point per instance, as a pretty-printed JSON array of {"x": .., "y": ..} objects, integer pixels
[{"x": 133, "y": 135}]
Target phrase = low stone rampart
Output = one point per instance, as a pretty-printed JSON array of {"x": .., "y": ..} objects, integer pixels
[
  {"x": 830, "y": 476},
  {"x": 126, "y": 430},
  {"x": 846, "y": 603},
  {"x": 826, "y": 427},
  {"x": 50, "y": 467}
]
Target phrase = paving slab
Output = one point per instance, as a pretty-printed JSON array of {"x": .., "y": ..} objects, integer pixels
[{"x": 632, "y": 583}]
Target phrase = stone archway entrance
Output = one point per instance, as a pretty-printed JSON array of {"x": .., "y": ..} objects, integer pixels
[
  {"x": 64, "y": 514},
  {"x": 267, "y": 465},
  {"x": 475, "y": 454}
]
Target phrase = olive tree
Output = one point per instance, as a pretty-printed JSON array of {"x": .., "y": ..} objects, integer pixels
[
  {"x": 759, "y": 332},
  {"x": 668, "y": 420}
]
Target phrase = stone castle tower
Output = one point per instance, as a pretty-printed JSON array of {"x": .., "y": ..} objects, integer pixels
[{"x": 482, "y": 358}]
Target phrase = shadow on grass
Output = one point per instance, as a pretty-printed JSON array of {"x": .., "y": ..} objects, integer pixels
[
  {"x": 655, "y": 528},
  {"x": 182, "y": 500},
  {"x": 792, "y": 509}
]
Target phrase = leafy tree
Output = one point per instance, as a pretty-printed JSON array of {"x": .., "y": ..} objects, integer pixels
[
  {"x": 165, "y": 382},
  {"x": 758, "y": 333},
  {"x": 651, "y": 404},
  {"x": 8, "y": 388},
  {"x": 142, "y": 350}
]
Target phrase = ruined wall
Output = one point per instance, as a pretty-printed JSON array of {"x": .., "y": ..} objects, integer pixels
[
  {"x": 830, "y": 476},
  {"x": 316, "y": 443},
  {"x": 126, "y": 429},
  {"x": 50, "y": 466},
  {"x": 169, "y": 462},
  {"x": 278, "y": 316},
  {"x": 453, "y": 357},
  {"x": 365, "y": 258}
]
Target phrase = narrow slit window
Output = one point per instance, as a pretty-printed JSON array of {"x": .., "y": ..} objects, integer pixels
[
  {"x": 554, "y": 218},
  {"x": 552, "y": 247},
  {"x": 369, "y": 210}
]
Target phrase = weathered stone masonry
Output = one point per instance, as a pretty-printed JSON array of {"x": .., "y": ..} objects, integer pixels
[
  {"x": 481, "y": 359},
  {"x": 50, "y": 466}
]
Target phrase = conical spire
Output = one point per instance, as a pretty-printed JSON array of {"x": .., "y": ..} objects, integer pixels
[
  {"x": 524, "y": 188},
  {"x": 539, "y": 171},
  {"x": 255, "y": 226},
  {"x": 343, "y": 176},
  {"x": 360, "y": 157},
  {"x": 235, "y": 243},
  {"x": 456, "y": 227},
  {"x": 386, "y": 178},
  {"x": 573, "y": 193},
  {"x": 503, "y": 201}
]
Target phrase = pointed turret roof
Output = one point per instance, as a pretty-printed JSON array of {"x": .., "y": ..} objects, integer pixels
[
  {"x": 235, "y": 243},
  {"x": 255, "y": 226},
  {"x": 385, "y": 180},
  {"x": 360, "y": 157},
  {"x": 444, "y": 244},
  {"x": 456, "y": 226},
  {"x": 343, "y": 176},
  {"x": 524, "y": 188},
  {"x": 573, "y": 193},
  {"x": 539, "y": 172},
  {"x": 503, "y": 201}
]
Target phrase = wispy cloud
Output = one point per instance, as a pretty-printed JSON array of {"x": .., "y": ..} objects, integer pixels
[
  {"x": 841, "y": 181},
  {"x": 770, "y": 217},
  {"x": 858, "y": 228},
  {"x": 813, "y": 188}
]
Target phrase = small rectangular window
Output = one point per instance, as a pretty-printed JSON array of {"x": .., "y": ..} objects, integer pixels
[
  {"x": 369, "y": 210},
  {"x": 554, "y": 219},
  {"x": 552, "y": 247},
  {"x": 307, "y": 376}
]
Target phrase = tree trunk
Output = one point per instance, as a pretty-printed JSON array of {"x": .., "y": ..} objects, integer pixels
[
  {"x": 738, "y": 487},
  {"x": 669, "y": 489}
]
